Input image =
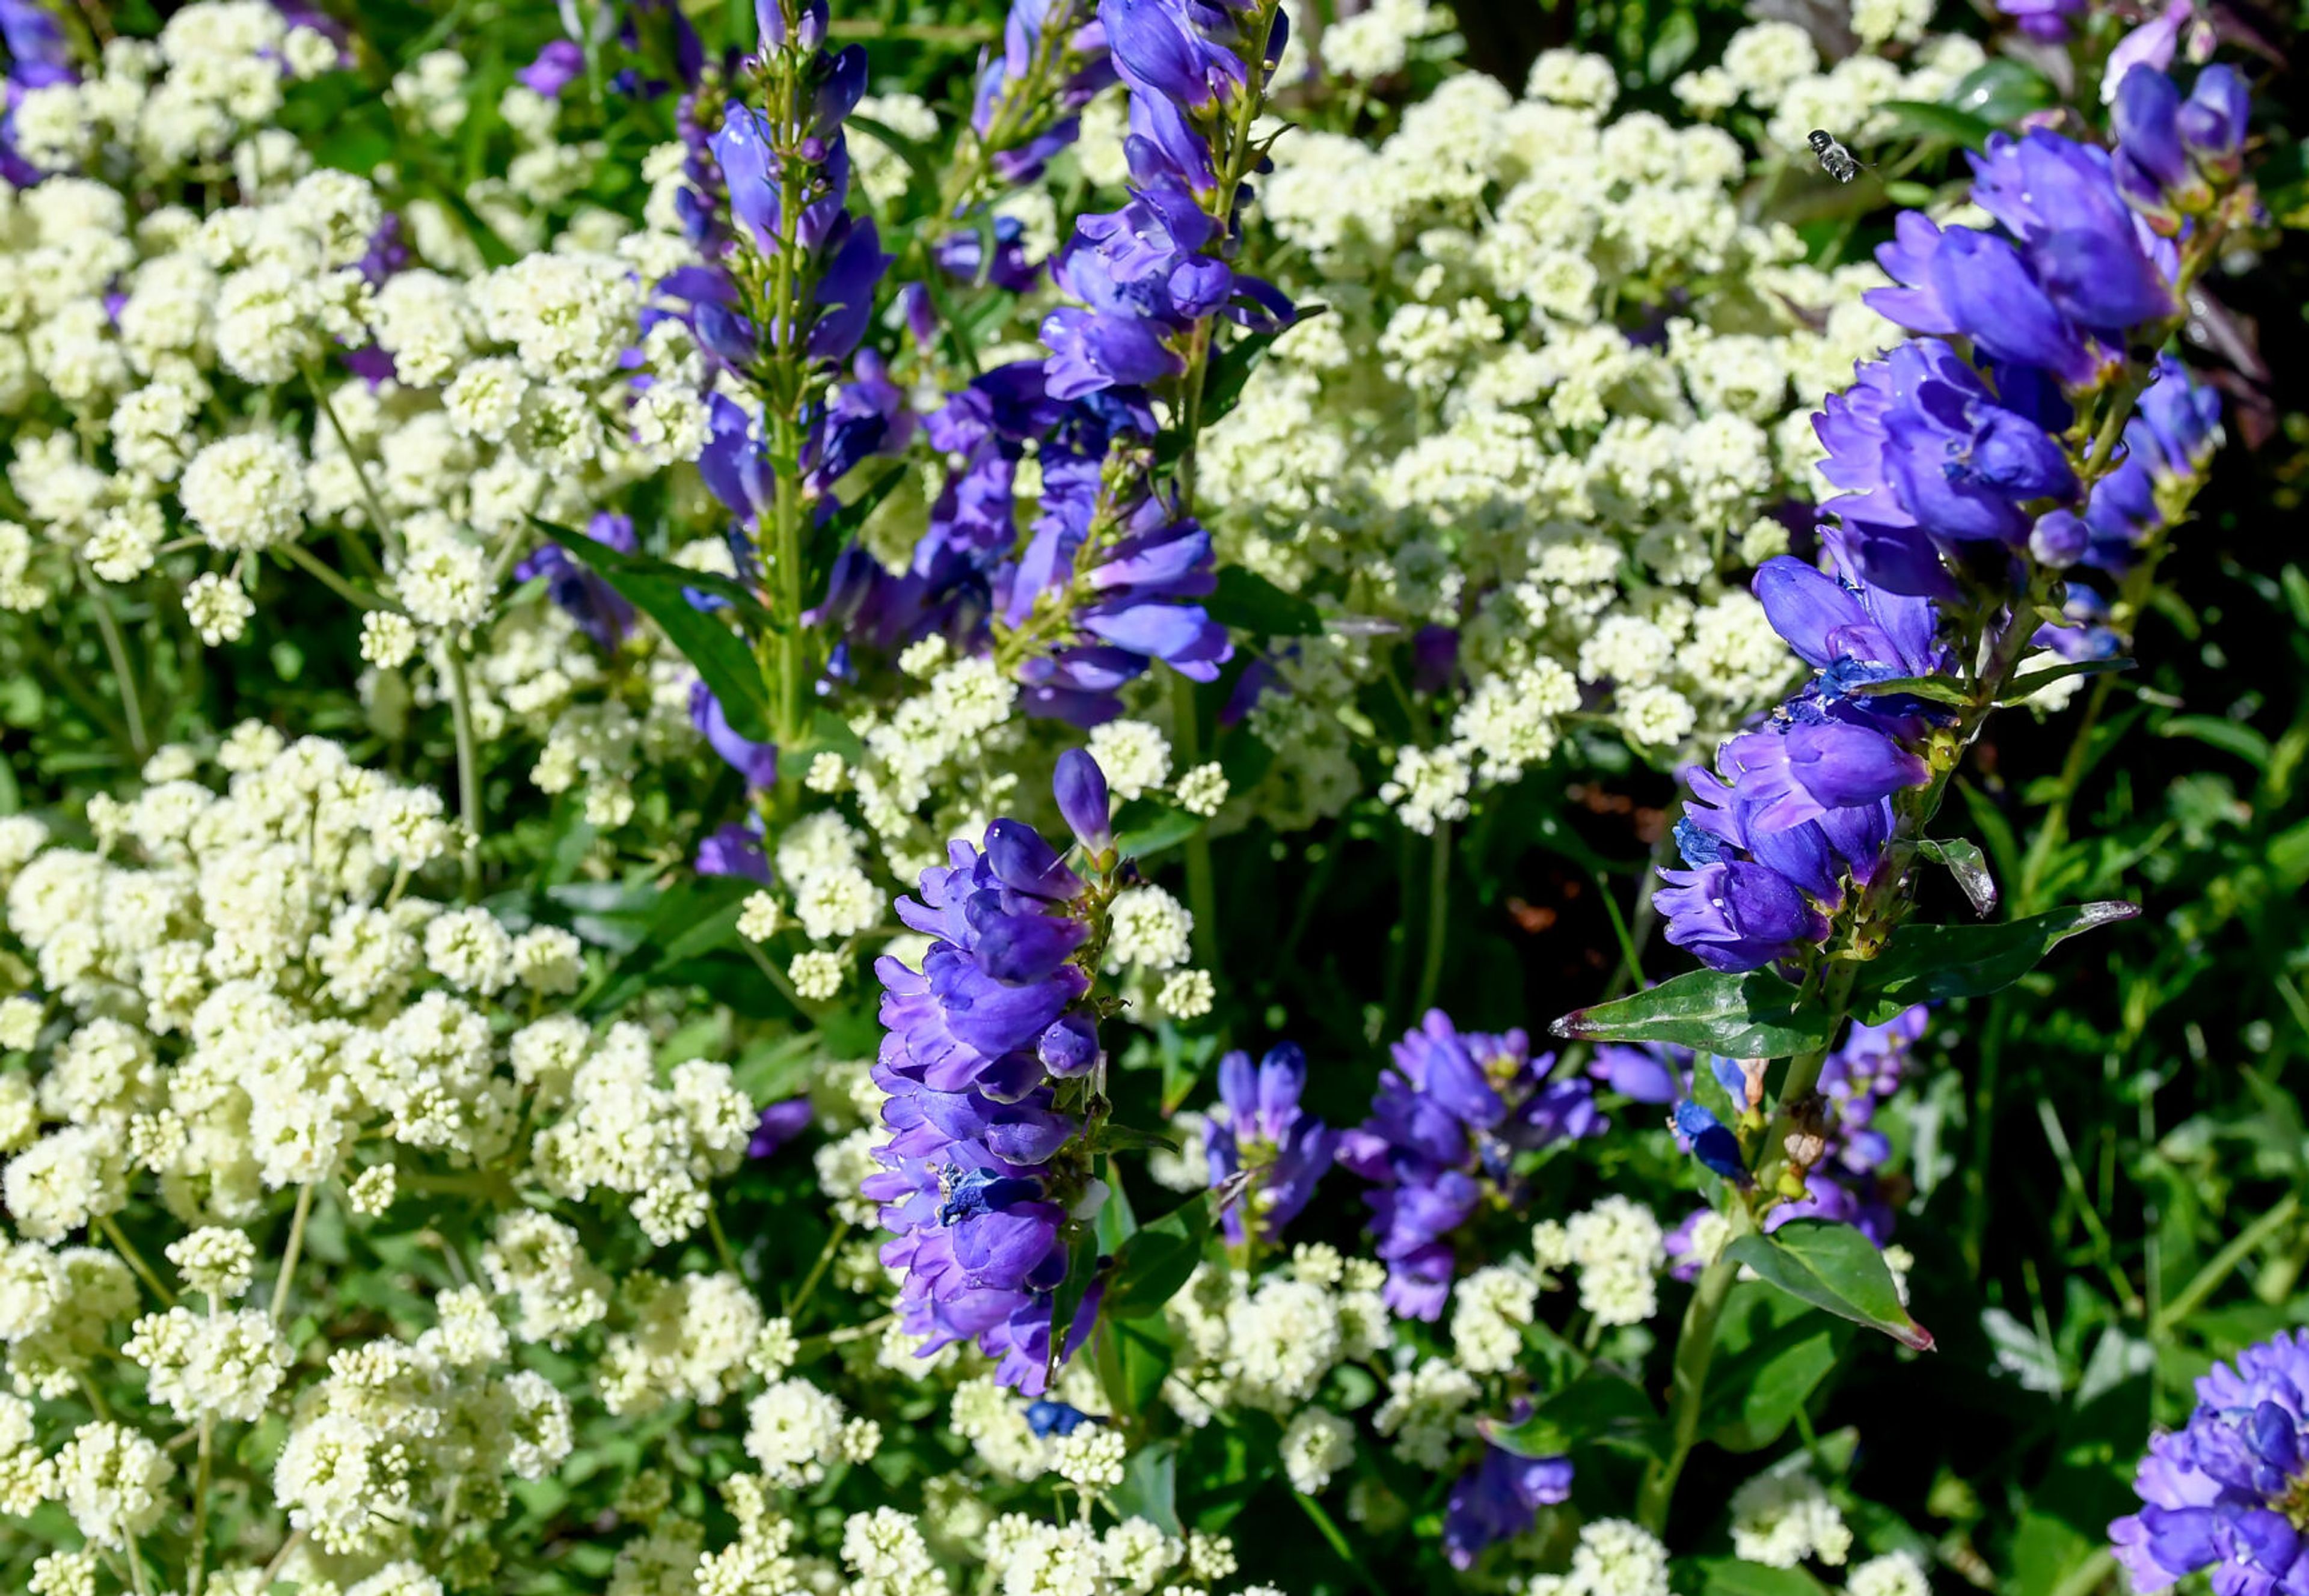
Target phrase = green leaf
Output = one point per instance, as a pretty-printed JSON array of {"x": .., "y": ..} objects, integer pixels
[
  {"x": 2021, "y": 686},
  {"x": 1927, "y": 963},
  {"x": 1598, "y": 1409},
  {"x": 1147, "y": 827},
  {"x": 2230, "y": 737},
  {"x": 1247, "y": 601},
  {"x": 1150, "y": 1487},
  {"x": 688, "y": 919},
  {"x": 1965, "y": 862},
  {"x": 1155, "y": 1263},
  {"x": 1730, "y": 1576},
  {"x": 1671, "y": 47},
  {"x": 1750, "y": 1016},
  {"x": 1113, "y": 1135},
  {"x": 1835, "y": 1267},
  {"x": 1133, "y": 1357},
  {"x": 1938, "y": 688},
  {"x": 1772, "y": 1352},
  {"x": 2000, "y": 91},
  {"x": 655, "y": 588},
  {"x": 1922, "y": 119},
  {"x": 1231, "y": 368}
]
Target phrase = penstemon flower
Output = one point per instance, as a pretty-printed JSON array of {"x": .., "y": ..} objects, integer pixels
[
  {"x": 994, "y": 1071},
  {"x": 2224, "y": 1492},
  {"x": 1439, "y": 1146}
]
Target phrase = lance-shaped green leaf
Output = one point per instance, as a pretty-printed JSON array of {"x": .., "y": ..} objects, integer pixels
[
  {"x": 1923, "y": 119},
  {"x": 1926, "y": 963},
  {"x": 1964, "y": 861},
  {"x": 1151, "y": 1267},
  {"x": 719, "y": 655},
  {"x": 2021, "y": 686},
  {"x": 1750, "y": 1016},
  {"x": 1147, "y": 827},
  {"x": 1598, "y": 1409},
  {"x": 1940, "y": 689},
  {"x": 1835, "y": 1267},
  {"x": 1247, "y": 602}
]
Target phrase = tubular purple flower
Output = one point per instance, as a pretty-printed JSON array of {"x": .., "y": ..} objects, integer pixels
[
  {"x": 1258, "y": 1130},
  {"x": 2220, "y": 1492},
  {"x": 757, "y": 762},
  {"x": 1445, "y": 1127},
  {"x": 1499, "y": 1498}
]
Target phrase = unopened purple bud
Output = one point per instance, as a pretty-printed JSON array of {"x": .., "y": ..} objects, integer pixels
[
  {"x": 1080, "y": 787},
  {"x": 780, "y": 1124},
  {"x": 921, "y": 316},
  {"x": 2060, "y": 540},
  {"x": 808, "y": 32},
  {"x": 2212, "y": 123},
  {"x": 1070, "y": 1047}
]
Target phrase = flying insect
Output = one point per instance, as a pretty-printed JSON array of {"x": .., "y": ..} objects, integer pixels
[{"x": 1835, "y": 159}]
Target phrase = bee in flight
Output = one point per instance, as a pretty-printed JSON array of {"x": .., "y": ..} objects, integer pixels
[{"x": 1835, "y": 159}]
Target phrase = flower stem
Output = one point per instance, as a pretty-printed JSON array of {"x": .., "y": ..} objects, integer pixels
[
  {"x": 469, "y": 774},
  {"x": 358, "y": 598},
  {"x": 1695, "y": 1348},
  {"x": 196, "y": 1577},
  {"x": 1438, "y": 909},
  {"x": 2219, "y": 1267},
  {"x": 135, "y": 1260},
  {"x": 288, "y": 1255},
  {"x": 1202, "y": 879},
  {"x": 841, "y": 1233},
  {"x": 116, "y": 649}
]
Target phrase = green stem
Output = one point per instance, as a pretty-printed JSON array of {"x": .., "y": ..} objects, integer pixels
[
  {"x": 385, "y": 534},
  {"x": 469, "y": 773},
  {"x": 721, "y": 1239},
  {"x": 116, "y": 649},
  {"x": 817, "y": 1271},
  {"x": 298, "y": 554},
  {"x": 1438, "y": 911},
  {"x": 2219, "y": 1267},
  {"x": 1695, "y": 1348},
  {"x": 61, "y": 675},
  {"x": 1202, "y": 877},
  {"x": 135, "y": 1260},
  {"x": 196, "y": 1577},
  {"x": 290, "y": 1253}
]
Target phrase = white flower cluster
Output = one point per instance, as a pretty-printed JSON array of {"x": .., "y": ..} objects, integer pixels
[
  {"x": 1470, "y": 439},
  {"x": 1782, "y": 1517}
]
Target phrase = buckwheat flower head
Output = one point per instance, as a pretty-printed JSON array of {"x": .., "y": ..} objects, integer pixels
[
  {"x": 1149, "y": 927},
  {"x": 1135, "y": 756},
  {"x": 467, "y": 948},
  {"x": 1780, "y": 1519},
  {"x": 1186, "y": 993},
  {"x": 217, "y": 608},
  {"x": 225, "y": 1365},
  {"x": 245, "y": 492},
  {"x": 215, "y": 1260},
  {"x": 793, "y": 1430},
  {"x": 1895, "y": 1574},
  {"x": 817, "y": 975},
  {"x": 1091, "y": 1459},
  {"x": 1316, "y": 1445},
  {"x": 112, "y": 1480},
  {"x": 1489, "y": 1311}
]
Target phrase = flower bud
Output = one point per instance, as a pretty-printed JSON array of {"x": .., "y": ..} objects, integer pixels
[
  {"x": 1080, "y": 787},
  {"x": 2060, "y": 540}
]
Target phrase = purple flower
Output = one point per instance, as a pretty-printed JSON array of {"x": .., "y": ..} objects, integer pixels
[
  {"x": 1645, "y": 1074},
  {"x": 734, "y": 849},
  {"x": 757, "y": 762},
  {"x": 557, "y": 65},
  {"x": 1080, "y": 787},
  {"x": 1445, "y": 1128},
  {"x": 2047, "y": 19},
  {"x": 780, "y": 1123},
  {"x": 601, "y": 612},
  {"x": 1499, "y": 1498},
  {"x": 1704, "y": 1136},
  {"x": 2220, "y": 1492},
  {"x": 981, "y": 1173},
  {"x": 1258, "y": 1130}
]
